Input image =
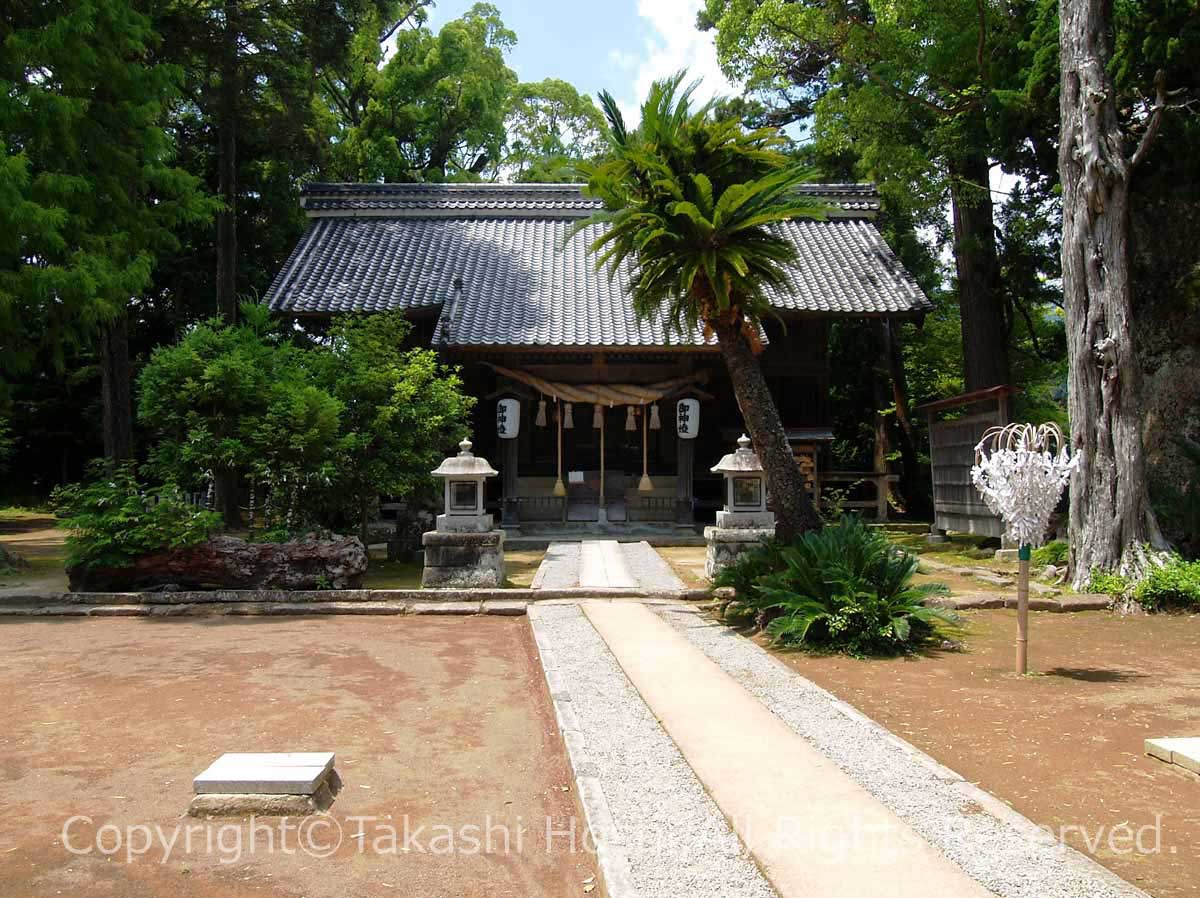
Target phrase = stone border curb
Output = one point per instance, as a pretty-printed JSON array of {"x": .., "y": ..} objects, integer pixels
[
  {"x": 1062, "y": 604},
  {"x": 332, "y": 597},
  {"x": 611, "y": 854},
  {"x": 268, "y": 609}
]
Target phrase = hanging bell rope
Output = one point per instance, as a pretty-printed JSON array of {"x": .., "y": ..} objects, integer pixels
[
  {"x": 645, "y": 485},
  {"x": 559, "y": 488}
]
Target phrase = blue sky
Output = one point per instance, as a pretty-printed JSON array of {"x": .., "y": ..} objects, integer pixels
[{"x": 620, "y": 45}]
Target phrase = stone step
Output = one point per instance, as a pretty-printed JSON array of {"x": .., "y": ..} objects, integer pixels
[{"x": 265, "y": 773}]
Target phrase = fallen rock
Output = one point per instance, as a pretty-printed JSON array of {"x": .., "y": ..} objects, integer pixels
[{"x": 227, "y": 562}]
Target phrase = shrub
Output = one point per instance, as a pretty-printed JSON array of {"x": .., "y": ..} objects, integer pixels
[
  {"x": 1173, "y": 585},
  {"x": 843, "y": 588},
  {"x": 113, "y": 520},
  {"x": 1054, "y": 552},
  {"x": 1108, "y": 582}
]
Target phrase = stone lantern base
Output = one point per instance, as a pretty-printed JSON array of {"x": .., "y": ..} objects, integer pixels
[
  {"x": 726, "y": 543},
  {"x": 463, "y": 559}
]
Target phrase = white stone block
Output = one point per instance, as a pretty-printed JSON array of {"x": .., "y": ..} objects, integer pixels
[
  {"x": 266, "y": 773},
  {"x": 1183, "y": 752},
  {"x": 464, "y": 523},
  {"x": 745, "y": 520}
]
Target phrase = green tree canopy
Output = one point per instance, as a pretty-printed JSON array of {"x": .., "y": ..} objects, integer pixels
[
  {"x": 89, "y": 196},
  {"x": 435, "y": 111},
  {"x": 402, "y": 410},
  {"x": 549, "y": 127}
]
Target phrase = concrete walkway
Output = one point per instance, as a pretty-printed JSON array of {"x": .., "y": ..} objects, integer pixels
[
  {"x": 605, "y": 564},
  {"x": 812, "y": 830},
  {"x": 602, "y": 564}
]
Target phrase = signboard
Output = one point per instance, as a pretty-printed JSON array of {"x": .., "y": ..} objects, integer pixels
[
  {"x": 687, "y": 418},
  {"x": 508, "y": 418}
]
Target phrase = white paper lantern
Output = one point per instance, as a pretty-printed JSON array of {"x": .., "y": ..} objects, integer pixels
[
  {"x": 508, "y": 419},
  {"x": 687, "y": 418}
]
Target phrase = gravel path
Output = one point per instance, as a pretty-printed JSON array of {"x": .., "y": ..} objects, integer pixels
[
  {"x": 661, "y": 834},
  {"x": 1000, "y": 849},
  {"x": 559, "y": 568},
  {"x": 649, "y": 568}
]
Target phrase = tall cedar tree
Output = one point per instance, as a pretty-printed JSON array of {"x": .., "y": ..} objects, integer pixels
[
  {"x": 689, "y": 198},
  {"x": 1111, "y": 520},
  {"x": 254, "y": 66},
  {"x": 88, "y": 195}
]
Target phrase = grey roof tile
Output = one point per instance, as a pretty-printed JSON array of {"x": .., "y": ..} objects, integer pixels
[{"x": 523, "y": 283}]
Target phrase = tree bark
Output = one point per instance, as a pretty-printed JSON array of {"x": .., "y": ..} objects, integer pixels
[
  {"x": 227, "y": 99},
  {"x": 980, "y": 298},
  {"x": 794, "y": 511},
  {"x": 1111, "y": 520},
  {"x": 116, "y": 390}
]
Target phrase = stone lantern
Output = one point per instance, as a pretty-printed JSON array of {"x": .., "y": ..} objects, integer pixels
[
  {"x": 464, "y": 550},
  {"x": 744, "y": 522},
  {"x": 464, "y": 475}
]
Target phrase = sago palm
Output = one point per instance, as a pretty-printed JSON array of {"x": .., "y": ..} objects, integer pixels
[{"x": 689, "y": 199}]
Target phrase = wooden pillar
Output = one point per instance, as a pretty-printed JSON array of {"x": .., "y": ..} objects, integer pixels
[
  {"x": 685, "y": 454},
  {"x": 510, "y": 515}
]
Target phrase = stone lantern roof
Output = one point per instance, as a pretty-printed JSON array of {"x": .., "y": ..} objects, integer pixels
[
  {"x": 465, "y": 464},
  {"x": 743, "y": 461}
]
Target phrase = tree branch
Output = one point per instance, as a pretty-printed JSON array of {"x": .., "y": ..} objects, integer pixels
[{"x": 1156, "y": 117}]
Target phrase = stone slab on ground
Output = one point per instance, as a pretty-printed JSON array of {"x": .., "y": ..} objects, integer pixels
[
  {"x": 778, "y": 789},
  {"x": 261, "y": 803},
  {"x": 992, "y": 843},
  {"x": 602, "y": 564},
  {"x": 1181, "y": 751},
  {"x": 1057, "y": 604},
  {"x": 266, "y": 773}
]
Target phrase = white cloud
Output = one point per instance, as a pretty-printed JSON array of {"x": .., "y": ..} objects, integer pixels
[{"x": 673, "y": 43}]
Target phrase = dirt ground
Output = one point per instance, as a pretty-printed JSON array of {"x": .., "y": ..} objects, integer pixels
[
  {"x": 1063, "y": 747},
  {"x": 688, "y": 564},
  {"x": 521, "y": 564},
  {"x": 36, "y": 539},
  {"x": 443, "y": 731}
]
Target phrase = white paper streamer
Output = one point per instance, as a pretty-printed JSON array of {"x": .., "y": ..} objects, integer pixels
[{"x": 1022, "y": 477}]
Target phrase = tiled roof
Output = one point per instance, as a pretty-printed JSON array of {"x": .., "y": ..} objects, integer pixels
[
  {"x": 496, "y": 260},
  {"x": 447, "y": 200}
]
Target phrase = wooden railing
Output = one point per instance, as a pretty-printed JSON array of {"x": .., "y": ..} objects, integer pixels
[
  {"x": 542, "y": 508},
  {"x": 881, "y": 483}
]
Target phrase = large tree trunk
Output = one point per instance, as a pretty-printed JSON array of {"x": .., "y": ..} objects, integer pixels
[
  {"x": 226, "y": 483},
  {"x": 911, "y": 469},
  {"x": 227, "y": 99},
  {"x": 1111, "y": 520},
  {"x": 980, "y": 297},
  {"x": 116, "y": 390},
  {"x": 794, "y": 511}
]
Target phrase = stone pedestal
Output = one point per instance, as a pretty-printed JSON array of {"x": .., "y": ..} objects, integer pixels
[
  {"x": 726, "y": 544},
  {"x": 463, "y": 558}
]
